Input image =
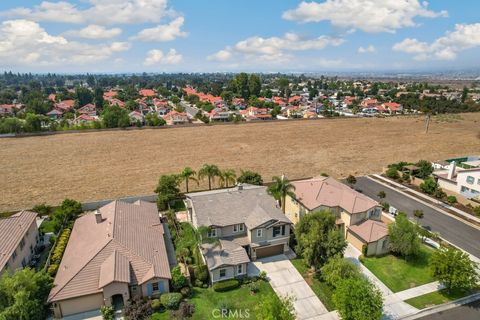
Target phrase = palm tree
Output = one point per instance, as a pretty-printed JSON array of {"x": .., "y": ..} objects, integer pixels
[
  {"x": 228, "y": 176},
  {"x": 280, "y": 188},
  {"x": 211, "y": 171},
  {"x": 188, "y": 174}
]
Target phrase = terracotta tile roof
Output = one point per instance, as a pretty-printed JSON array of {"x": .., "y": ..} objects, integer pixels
[
  {"x": 127, "y": 231},
  {"x": 328, "y": 192},
  {"x": 370, "y": 230},
  {"x": 12, "y": 231},
  {"x": 147, "y": 93},
  {"x": 116, "y": 268}
]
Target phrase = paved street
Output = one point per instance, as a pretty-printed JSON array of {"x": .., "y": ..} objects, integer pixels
[
  {"x": 470, "y": 311},
  {"x": 451, "y": 229},
  {"x": 287, "y": 281}
]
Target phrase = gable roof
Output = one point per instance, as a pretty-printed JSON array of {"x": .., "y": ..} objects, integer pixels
[
  {"x": 12, "y": 231},
  {"x": 128, "y": 232},
  {"x": 370, "y": 230},
  {"x": 224, "y": 253},
  {"x": 328, "y": 192},
  {"x": 251, "y": 206}
]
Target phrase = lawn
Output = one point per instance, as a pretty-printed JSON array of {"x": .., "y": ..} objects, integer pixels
[
  {"x": 438, "y": 297},
  {"x": 207, "y": 300},
  {"x": 399, "y": 274},
  {"x": 322, "y": 290}
]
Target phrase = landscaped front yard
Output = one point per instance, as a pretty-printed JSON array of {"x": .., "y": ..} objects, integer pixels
[
  {"x": 207, "y": 300},
  {"x": 438, "y": 297},
  {"x": 399, "y": 274},
  {"x": 322, "y": 290}
]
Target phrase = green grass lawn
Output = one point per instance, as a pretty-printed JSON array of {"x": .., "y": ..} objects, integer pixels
[
  {"x": 207, "y": 300},
  {"x": 438, "y": 297},
  {"x": 322, "y": 290},
  {"x": 399, "y": 274}
]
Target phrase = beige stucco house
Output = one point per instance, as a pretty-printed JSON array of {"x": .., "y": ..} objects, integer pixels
[
  {"x": 465, "y": 182},
  {"x": 247, "y": 221},
  {"x": 353, "y": 209},
  {"x": 114, "y": 255},
  {"x": 18, "y": 240}
]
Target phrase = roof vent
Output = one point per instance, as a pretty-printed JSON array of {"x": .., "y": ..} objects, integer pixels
[{"x": 98, "y": 216}]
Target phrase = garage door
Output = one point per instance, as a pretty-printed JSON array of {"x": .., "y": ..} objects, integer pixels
[
  {"x": 354, "y": 240},
  {"x": 269, "y": 251}
]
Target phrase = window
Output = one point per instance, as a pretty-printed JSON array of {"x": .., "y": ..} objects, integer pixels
[
  {"x": 238, "y": 228},
  {"x": 14, "y": 255},
  {"x": 155, "y": 286},
  {"x": 278, "y": 231},
  {"x": 133, "y": 290},
  {"x": 470, "y": 179},
  {"x": 22, "y": 244},
  {"x": 259, "y": 233},
  {"x": 24, "y": 262},
  {"x": 240, "y": 269},
  {"x": 212, "y": 233},
  {"x": 223, "y": 273}
]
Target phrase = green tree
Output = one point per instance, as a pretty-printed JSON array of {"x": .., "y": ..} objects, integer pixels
[
  {"x": 209, "y": 171},
  {"x": 241, "y": 85},
  {"x": 404, "y": 237},
  {"x": 425, "y": 169},
  {"x": 152, "y": 119},
  {"x": 250, "y": 177},
  {"x": 254, "y": 85},
  {"x": 429, "y": 186},
  {"x": 337, "y": 269},
  {"x": 392, "y": 173},
  {"x": 418, "y": 214},
  {"x": 280, "y": 189},
  {"x": 358, "y": 299},
  {"x": 227, "y": 178},
  {"x": 23, "y": 294},
  {"x": 83, "y": 96},
  {"x": 178, "y": 279},
  {"x": 381, "y": 194},
  {"x": 351, "y": 180},
  {"x": 167, "y": 190},
  {"x": 275, "y": 308},
  {"x": 114, "y": 117},
  {"x": 188, "y": 174},
  {"x": 454, "y": 269},
  {"x": 318, "y": 238},
  {"x": 98, "y": 97}
]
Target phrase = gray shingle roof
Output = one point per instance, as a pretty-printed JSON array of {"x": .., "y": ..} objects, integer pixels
[
  {"x": 224, "y": 253},
  {"x": 252, "y": 206}
]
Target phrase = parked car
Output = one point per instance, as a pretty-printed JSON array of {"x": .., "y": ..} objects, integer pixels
[{"x": 393, "y": 211}]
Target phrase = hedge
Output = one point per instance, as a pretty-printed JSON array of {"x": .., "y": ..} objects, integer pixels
[
  {"x": 57, "y": 253},
  {"x": 171, "y": 300},
  {"x": 226, "y": 285}
]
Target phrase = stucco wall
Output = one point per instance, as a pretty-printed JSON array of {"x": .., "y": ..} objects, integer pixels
[
  {"x": 267, "y": 234},
  {"x": 145, "y": 286},
  {"x": 376, "y": 248},
  {"x": 116, "y": 288},
  {"x": 355, "y": 241},
  {"x": 25, "y": 252}
]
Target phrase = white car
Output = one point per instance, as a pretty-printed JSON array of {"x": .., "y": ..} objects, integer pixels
[{"x": 393, "y": 211}]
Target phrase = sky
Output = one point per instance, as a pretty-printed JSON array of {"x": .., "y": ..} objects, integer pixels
[{"x": 118, "y": 36}]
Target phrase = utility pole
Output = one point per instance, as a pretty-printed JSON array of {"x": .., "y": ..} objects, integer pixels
[{"x": 427, "y": 122}]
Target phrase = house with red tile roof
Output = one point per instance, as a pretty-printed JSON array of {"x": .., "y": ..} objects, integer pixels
[
  {"x": 391, "y": 107},
  {"x": 219, "y": 114},
  {"x": 368, "y": 103},
  {"x": 295, "y": 99},
  {"x": 175, "y": 117},
  {"x": 52, "y": 97},
  {"x": 352, "y": 209},
  {"x": 136, "y": 116},
  {"x": 109, "y": 94},
  {"x": 147, "y": 93},
  {"x": 114, "y": 255},
  {"x": 10, "y": 109},
  {"x": 88, "y": 109},
  {"x": 65, "y": 105},
  {"x": 116, "y": 102},
  {"x": 55, "y": 114},
  {"x": 84, "y": 119}
]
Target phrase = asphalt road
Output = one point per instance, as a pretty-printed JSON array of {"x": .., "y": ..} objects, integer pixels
[
  {"x": 451, "y": 229},
  {"x": 470, "y": 311}
]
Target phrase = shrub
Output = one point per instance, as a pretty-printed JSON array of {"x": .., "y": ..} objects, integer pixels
[
  {"x": 392, "y": 173},
  {"x": 185, "y": 310},
  {"x": 476, "y": 210},
  {"x": 429, "y": 186},
  {"x": 107, "y": 312},
  {"x": 226, "y": 285},
  {"x": 42, "y": 209},
  {"x": 351, "y": 179},
  {"x": 171, "y": 301},
  {"x": 262, "y": 275},
  {"x": 250, "y": 177},
  {"x": 406, "y": 177},
  {"x": 439, "y": 194},
  {"x": 186, "y": 292},
  {"x": 385, "y": 206},
  {"x": 425, "y": 169},
  {"x": 452, "y": 199},
  {"x": 201, "y": 273},
  {"x": 178, "y": 279},
  {"x": 338, "y": 269},
  {"x": 253, "y": 287},
  {"x": 198, "y": 283},
  {"x": 157, "y": 305},
  {"x": 52, "y": 269},
  {"x": 364, "y": 250},
  {"x": 138, "y": 310}
]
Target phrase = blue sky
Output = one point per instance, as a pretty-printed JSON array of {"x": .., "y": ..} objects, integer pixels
[{"x": 238, "y": 35}]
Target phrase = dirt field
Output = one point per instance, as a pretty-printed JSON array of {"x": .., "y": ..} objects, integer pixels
[{"x": 103, "y": 165}]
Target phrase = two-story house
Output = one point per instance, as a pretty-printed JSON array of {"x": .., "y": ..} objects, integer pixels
[
  {"x": 248, "y": 223},
  {"x": 18, "y": 240},
  {"x": 114, "y": 255},
  {"x": 357, "y": 215},
  {"x": 462, "y": 181}
]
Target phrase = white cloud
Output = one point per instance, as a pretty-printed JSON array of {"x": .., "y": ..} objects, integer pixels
[
  {"x": 101, "y": 12},
  {"x": 94, "y": 31},
  {"x": 369, "y": 49},
  {"x": 274, "y": 49},
  {"x": 156, "y": 56},
  {"x": 24, "y": 42},
  {"x": 464, "y": 37},
  {"x": 162, "y": 33},
  {"x": 367, "y": 15}
]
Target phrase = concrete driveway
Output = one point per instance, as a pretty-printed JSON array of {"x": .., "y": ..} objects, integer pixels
[{"x": 287, "y": 281}]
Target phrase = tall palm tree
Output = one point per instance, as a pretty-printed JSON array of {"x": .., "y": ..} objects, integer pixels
[
  {"x": 280, "y": 188},
  {"x": 210, "y": 171},
  {"x": 228, "y": 176},
  {"x": 188, "y": 174}
]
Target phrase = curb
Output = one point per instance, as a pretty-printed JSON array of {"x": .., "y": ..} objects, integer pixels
[{"x": 443, "y": 307}]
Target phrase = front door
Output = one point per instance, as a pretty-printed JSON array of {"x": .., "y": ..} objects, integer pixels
[{"x": 117, "y": 302}]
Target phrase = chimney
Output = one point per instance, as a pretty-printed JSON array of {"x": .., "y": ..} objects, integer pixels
[
  {"x": 98, "y": 216},
  {"x": 451, "y": 170}
]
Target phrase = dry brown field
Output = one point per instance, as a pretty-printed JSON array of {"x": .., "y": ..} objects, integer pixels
[{"x": 103, "y": 165}]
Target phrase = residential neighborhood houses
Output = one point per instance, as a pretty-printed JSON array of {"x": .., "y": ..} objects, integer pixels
[{"x": 124, "y": 254}]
